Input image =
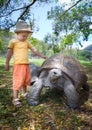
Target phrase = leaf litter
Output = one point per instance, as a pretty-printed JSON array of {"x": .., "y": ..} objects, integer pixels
[{"x": 50, "y": 114}]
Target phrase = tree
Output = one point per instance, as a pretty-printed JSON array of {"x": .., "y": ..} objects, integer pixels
[
  {"x": 9, "y": 9},
  {"x": 5, "y": 36},
  {"x": 12, "y": 11},
  {"x": 40, "y": 45},
  {"x": 77, "y": 19},
  {"x": 52, "y": 42},
  {"x": 85, "y": 55},
  {"x": 69, "y": 39},
  {"x": 67, "y": 42}
]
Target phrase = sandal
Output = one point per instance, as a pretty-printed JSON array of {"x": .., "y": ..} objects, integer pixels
[{"x": 16, "y": 102}]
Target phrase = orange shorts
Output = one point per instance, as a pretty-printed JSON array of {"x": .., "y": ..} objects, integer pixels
[{"x": 21, "y": 76}]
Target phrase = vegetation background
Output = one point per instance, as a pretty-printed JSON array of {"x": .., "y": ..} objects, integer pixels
[{"x": 71, "y": 24}]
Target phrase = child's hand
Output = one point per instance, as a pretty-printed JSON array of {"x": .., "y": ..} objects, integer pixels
[
  {"x": 7, "y": 67},
  {"x": 45, "y": 57}
]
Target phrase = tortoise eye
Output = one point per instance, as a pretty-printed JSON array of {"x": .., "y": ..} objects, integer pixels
[{"x": 55, "y": 73}]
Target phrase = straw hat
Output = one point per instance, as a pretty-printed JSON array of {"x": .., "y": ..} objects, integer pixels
[{"x": 22, "y": 26}]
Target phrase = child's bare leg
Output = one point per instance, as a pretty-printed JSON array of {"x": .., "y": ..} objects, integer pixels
[
  {"x": 16, "y": 100},
  {"x": 15, "y": 94},
  {"x": 24, "y": 89}
]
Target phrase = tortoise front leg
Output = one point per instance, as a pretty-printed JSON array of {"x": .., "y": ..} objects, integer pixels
[
  {"x": 35, "y": 92},
  {"x": 71, "y": 94}
]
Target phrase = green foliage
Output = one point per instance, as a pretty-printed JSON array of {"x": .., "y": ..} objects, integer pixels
[
  {"x": 9, "y": 9},
  {"x": 0, "y": 44},
  {"x": 40, "y": 45},
  {"x": 76, "y": 20},
  {"x": 69, "y": 39},
  {"x": 5, "y": 37},
  {"x": 52, "y": 41},
  {"x": 85, "y": 55}
]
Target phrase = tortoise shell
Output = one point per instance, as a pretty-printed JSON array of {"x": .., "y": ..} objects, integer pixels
[{"x": 69, "y": 65}]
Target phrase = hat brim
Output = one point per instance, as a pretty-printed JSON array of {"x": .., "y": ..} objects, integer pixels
[{"x": 23, "y": 30}]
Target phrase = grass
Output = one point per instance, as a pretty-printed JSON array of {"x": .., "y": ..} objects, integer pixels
[
  {"x": 36, "y": 61},
  {"x": 50, "y": 114},
  {"x": 86, "y": 62}
]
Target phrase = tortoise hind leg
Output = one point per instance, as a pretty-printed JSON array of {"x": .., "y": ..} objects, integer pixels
[{"x": 84, "y": 94}]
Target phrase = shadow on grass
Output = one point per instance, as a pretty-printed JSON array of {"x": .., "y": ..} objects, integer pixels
[{"x": 52, "y": 94}]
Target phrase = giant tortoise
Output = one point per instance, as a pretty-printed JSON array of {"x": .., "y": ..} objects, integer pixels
[{"x": 63, "y": 72}]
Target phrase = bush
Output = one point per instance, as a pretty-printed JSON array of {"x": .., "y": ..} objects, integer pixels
[{"x": 85, "y": 55}]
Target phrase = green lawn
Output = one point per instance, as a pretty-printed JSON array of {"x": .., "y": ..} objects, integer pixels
[
  {"x": 50, "y": 114},
  {"x": 85, "y": 62},
  {"x": 36, "y": 61}
]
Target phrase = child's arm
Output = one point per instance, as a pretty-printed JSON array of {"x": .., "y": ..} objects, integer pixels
[
  {"x": 8, "y": 57},
  {"x": 34, "y": 50}
]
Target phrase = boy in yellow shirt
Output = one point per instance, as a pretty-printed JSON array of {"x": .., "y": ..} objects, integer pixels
[{"x": 19, "y": 49}]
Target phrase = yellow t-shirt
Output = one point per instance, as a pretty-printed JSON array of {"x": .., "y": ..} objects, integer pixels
[{"x": 20, "y": 51}]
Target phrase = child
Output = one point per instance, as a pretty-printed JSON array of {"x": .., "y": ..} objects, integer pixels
[{"x": 19, "y": 49}]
